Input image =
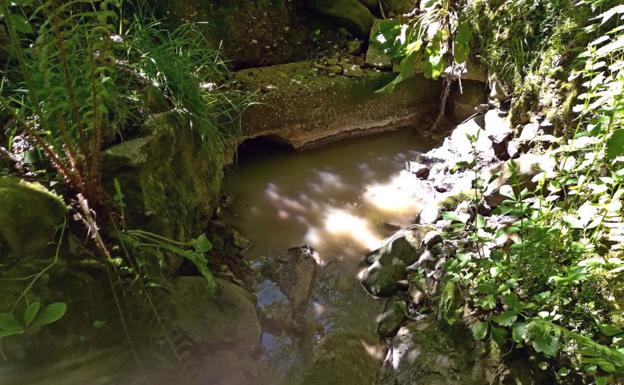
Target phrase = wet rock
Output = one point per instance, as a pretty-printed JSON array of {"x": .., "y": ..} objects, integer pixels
[
  {"x": 345, "y": 358},
  {"x": 29, "y": 216},
  {"x": 238, "y": 241},
  {"x": 227, "y": 319},
  {"x": 382, "y": 280},
  {"x": 350, "y": 14},
  {"x": 462, "y": 104},
  {"x": 404, "y": 246},
  {"x": 425, "y": 261},
  {"x": 389, "y": 262},
  {"x": 353, "y": 71},
  {"x": 334, "y": 69},
  {"x": 306, "y": 110},
  {"x": 430, "y": 352},
  {"x": 393, "y": 316}
]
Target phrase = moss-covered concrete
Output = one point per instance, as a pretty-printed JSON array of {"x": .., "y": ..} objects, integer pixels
[
  {"x": 29, "y": 216},
  {"x": 170, "y": 178},
  {"x": 307, "y": 109}
]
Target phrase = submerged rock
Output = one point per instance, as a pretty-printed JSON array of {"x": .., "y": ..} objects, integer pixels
[
  {"x": 29, "y": 216},
  {"x": 227, "y": 319},
  {"x": 344, "y": 358},
  {"x": 430, "y": 352}
]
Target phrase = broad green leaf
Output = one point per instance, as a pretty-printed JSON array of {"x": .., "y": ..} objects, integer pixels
[
  {"x": 518, "y": 331},
  {"x": 9, "y": 323},
  {"x": 479, "y": 330},
  {"x": 31, "y": 312},
  {"x": 615, "y": 145},
  {"x": 544, "y": 338},
  {"x": 50, "y": 314},
  {"x": 20, "y": 23},
  {"x": 602, "y": 380},
  {"x": 507, "y": 318},
  {"x": 499, "y": 335},
  {"x": 202, "y": 244}
]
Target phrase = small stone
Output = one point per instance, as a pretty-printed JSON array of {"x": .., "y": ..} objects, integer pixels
[
  {"x": 239, "y": 241},
  {"x": 354, "y": 71},
  {"x": 419, "y": 169},
  {"x": 335, "y": 69},
  {"x": 332, "y": 61}
]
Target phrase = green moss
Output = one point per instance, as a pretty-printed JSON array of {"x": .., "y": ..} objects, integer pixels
[{"x": 29, "y": 215}]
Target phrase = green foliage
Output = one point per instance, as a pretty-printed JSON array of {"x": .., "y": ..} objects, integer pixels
[
  {"x": 33, "y": 319},
  {"x": 551, "y": 278},
  {"x": 434, "y": 43}
]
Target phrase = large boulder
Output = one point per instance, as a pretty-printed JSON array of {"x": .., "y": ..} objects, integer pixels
[
  {"x": 430, "y": 352},
  {"x": 29, "y": 217},
  {"x": 227, "y": 319},
  {"x": 350, "y": 14},
  {"x": 169, "y": 176}
]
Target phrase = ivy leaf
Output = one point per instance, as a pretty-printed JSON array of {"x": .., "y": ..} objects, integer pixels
[
  {"x": 50, "y": 314},
  {"x": 479, "y": 330},
  {"x": 506, "y": 318},
  {"x": 544, "y": 338},
  {"x": 31, "y": 312},
  {"x": 615, "y": 145}
]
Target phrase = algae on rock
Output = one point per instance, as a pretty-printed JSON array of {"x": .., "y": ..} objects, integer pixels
[
  {"x": 29, "y": 216},
  {"x": 170, "y": 178}
]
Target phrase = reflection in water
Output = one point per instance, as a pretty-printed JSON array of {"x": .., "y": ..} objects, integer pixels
[{"x": 336, "y": 199}]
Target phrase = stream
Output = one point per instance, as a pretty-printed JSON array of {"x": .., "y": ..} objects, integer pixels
[{"x": 343, "y": 200}]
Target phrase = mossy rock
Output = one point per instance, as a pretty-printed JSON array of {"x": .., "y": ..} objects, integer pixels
[
  {"x": 29, "y": 217},
  {"x": 350, "y": 14},
  {"x": 170, "y": 177},
  {"x": 344, "y": 358}
]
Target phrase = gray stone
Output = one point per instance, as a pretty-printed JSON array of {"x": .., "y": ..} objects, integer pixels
[
  {"x": 432, "y": 238},
  {"x": 238, "y": 241},
  {"x": 382, "y": 280},
  {"x": 29, "y": 217},
  {"x": 353, "y": 71},
  {"x": 392, "y": 317},
  {"x": 529, "y": 132},
  {"x": 350, "y": 14},
  {"x": 227, "y": 319},
  {"x": 497, "y": 129}
]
